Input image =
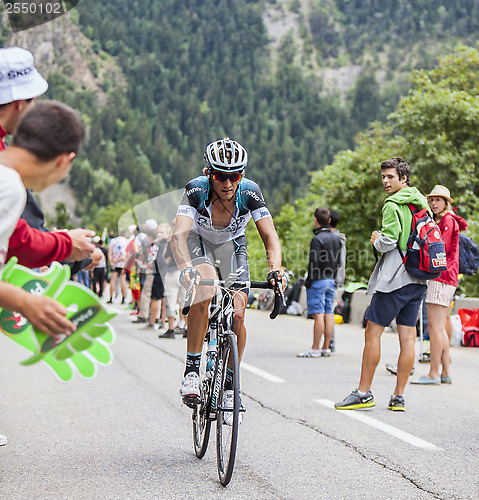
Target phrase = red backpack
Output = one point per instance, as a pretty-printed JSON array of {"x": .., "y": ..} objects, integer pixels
[{"x": 426, "y": 253}]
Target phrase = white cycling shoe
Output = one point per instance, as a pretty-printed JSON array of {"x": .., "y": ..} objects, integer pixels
[
  {"x": 190, "y": 388},
  {"x": 228, "y": 401}
]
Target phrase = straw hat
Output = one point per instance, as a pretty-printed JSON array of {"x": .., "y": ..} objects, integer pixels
[{"x": 439, "y": 190}]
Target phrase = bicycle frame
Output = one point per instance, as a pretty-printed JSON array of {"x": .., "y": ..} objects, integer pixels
[{"x": 220, "y": 327}]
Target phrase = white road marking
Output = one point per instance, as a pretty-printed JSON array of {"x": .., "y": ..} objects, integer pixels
[
  {"x": 389, "y": 429},
  {"x": 261, "y": 373}
]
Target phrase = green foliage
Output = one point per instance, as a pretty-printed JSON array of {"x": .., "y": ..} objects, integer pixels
[
  {"x": 61, "y": 219},
  {"x": 439, "y": 120},
  {"x": 372, "y": 24},
  {"x": 198, "y": 70},
  {"x": 352, "y": 186},
  {"x": 434, "y": 129},
  {"x": 108, "y": 216}
]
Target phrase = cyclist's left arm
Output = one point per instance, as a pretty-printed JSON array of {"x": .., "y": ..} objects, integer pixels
[{"x": 272, "y": 245}]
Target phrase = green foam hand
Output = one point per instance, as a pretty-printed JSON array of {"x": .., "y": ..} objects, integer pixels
[{"x": 80, "y": 351}]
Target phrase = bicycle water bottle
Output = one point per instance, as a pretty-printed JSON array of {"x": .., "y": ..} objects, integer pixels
[{"x": 210, "y": 357}]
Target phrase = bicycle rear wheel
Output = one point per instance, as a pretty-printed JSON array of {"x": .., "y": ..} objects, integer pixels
[
  {"x": 201, "y": 425},
  {"x": 227, "y": 435},
  {"x": 201, "y": 421}
]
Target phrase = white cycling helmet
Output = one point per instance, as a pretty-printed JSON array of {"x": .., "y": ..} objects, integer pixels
[{"x": 226, "y": 155}]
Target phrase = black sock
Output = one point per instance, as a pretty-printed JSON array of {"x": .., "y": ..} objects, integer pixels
[
  {"x": 193, "y": 361},
  {"x": 229, "y": 379}
]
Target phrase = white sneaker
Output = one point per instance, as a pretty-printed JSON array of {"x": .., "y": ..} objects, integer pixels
[
  {"x": 3, "y": 440},
  {"x": 325, "y": 352},
  {"x": 309, "y": 354},
  {"x": 190, "y": 385},
  {"x": 228, "y": 401}
]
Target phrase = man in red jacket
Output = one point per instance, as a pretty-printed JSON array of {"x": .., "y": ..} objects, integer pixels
[
  {"x": 19, "y": 88},
  {"x": 43, "y": 150}
]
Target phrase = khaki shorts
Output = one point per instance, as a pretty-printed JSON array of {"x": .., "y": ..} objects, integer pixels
[
  {"x": 174, "y": 293},
  {"x": 439, "y": 293}
]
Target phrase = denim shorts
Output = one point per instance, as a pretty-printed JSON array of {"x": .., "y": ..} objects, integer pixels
[
  {"x": 402, "y": 304},
  {"x": 320, "y": 296}
]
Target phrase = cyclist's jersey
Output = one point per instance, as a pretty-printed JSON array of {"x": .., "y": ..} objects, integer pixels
[{"x": 196, "y": 203}]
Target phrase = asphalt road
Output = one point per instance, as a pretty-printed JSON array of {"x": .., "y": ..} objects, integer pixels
[{"x": 126, "y": 434}]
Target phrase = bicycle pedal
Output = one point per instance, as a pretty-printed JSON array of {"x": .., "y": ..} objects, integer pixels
[{"x": 192, "y": 401}]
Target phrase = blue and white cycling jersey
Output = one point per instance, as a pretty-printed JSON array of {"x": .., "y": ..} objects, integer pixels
[{"x": 249, "y": 203}]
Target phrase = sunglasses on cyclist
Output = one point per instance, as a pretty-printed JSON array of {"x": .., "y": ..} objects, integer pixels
[{"x": 222, "y": 177}]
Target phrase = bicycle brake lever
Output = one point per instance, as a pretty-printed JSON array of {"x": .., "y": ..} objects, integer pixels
[{"x": 188, "y": 298}]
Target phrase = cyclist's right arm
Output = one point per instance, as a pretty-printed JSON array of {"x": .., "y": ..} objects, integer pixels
[{"x": 179, "y": 247}]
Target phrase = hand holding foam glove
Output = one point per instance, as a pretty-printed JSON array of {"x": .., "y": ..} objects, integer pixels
[{"x": 65, "y": 354}]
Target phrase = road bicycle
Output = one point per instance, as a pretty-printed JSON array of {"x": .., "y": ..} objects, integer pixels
[{"x": 221, "y": 348}]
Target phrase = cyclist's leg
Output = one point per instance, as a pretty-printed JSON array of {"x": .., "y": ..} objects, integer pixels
[
  {"x": 196, "y": 332},
  {"x": 197, "y": 319},
  {"x": 198, "y": 315},
  {"x": 240, "y": 300},
  {"x": 239, "y": 265}
]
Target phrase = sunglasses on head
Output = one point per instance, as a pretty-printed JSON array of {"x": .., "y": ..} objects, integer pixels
[{"x": 222, "y": 177}]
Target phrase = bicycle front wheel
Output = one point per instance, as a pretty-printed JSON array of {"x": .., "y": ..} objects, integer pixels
[{"x": 227, "y": 434}]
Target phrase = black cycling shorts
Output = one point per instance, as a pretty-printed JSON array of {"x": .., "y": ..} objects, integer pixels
[{"x": 157, "y": 288}]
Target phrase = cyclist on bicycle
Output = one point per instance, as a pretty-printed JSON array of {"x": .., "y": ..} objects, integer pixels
[{"x": 210, "y": 227}]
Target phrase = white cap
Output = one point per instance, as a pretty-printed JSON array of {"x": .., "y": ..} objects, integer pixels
[
  {"x": 150, "y": 224},
  {"x": 19, "y": 79}
]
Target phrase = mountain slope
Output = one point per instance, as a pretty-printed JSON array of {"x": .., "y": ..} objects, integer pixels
[{"x": 294, "y": 81}]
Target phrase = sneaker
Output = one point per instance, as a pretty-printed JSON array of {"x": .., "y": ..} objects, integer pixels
[
  {"x": 423, "y": 380},
  {"x": 110, "y": 301},
  {"x": 355, "y": 402},
  {"x": 169, "y": 334},
  {"x": 139, "y": 319},
  {"x": 326, "y": 352},
  {"x": 228, "y": 401},
  {"x": 394, "y": 369},
  {"x": 180, "y": 331},
  {"x": 446, "y": 380},
  {"x": 149, "y": 326},
  {"x": 425, "y": 358},
  {"x": 396, "y": 403},
  {"x": 309, "y": 354},
  {"x": 3, "y": 440},
  {"x": 190, "y": 389}
]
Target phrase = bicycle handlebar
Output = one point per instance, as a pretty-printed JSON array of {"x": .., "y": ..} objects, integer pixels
[{"x": 237, "y": 285}]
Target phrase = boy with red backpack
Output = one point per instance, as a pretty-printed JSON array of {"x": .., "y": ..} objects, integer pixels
[{"x": 396, "y": 293}]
